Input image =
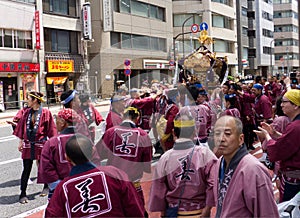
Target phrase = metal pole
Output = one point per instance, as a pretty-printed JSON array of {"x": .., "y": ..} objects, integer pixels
[
  {"x": 287, "y": 61},
  {"x": 271, "y": 59},
  {"x": 129, "y": 82},
  {"x": 96, "y": 85},
  {"x": 182, "y": 32},
  {"x": 86, "y": 66}
]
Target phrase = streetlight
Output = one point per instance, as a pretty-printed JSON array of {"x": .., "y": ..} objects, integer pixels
[
  {"x": 96, "y": 85},
  {"x": 182, "y": 32},
  {"x": 271, "y": 59}
]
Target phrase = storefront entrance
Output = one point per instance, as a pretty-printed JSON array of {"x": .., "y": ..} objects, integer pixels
[{"x": 10, "y": 92}]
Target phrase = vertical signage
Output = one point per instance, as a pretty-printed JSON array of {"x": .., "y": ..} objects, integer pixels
[
  {"x": 86, "y": 20},
  {"x": 107, "y": 16},
  {"x": 37, "y": 30}
]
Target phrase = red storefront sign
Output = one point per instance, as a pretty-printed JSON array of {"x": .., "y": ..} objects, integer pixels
[
  {"x": 19, "y": 67},
  {"x": 37, "y": 30}
]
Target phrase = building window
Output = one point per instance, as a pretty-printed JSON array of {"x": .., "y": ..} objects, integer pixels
[
  {"x": 286, "y": 56},
  {"x": 282, "y": 1},
  {"x": 268, "y": 1},
  {"x": 286, "y": 28},
  {"x": 138, "y": 42},
  {"x": 222, "y": 46},
  {"x": 225, "y": 2},
  {"x": 178, "y": 19},
  {"x": 285, "y": 14},
  {"x": 8, "y": 36},
  {"x": 286, "y": 42},
  {"x": 245, "y": 31},
  {"x": 62, "y": 7},
  {"x": 267, "y": 50},
  {"x": 61, "y": 41},
  {"x": 267, "y": 16},
  {"x": 15, "y": 38},
  {"x": 124, "y": 6},
  {"x": 27, "y": 1},
  {"x": 1, "y": 38},
  {"x": 23, "y": 39},
  {"x": 221, "y": 21},
  {"x": 244, "y": 11},
  {"x": 59, "y": 6},
  {"x": 140, "y": 9},
  {"x": 267, "y": 33}
]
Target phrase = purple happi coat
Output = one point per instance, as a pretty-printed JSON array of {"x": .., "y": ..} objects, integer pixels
[
  {"x": 168, "y": 178},
  {"x": 249, "y": 192},
  {"x": 127, "y": 147},
  {"x": 94, "y": 192},
  {"x": 286, "y": 147},
  {"x": 45, "y": 130},
  {"x": 53, "y": 163},
  {"x": 202, "y": 115},
  {"x": 234, "y": 112},
  {"x": 113, "y": 119},
  {"x": 146, "y": 108}
]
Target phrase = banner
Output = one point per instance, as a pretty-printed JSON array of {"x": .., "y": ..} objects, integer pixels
[
  {"x": 37, "y": 30},
  {"x": 19, "y": 67},
  {"x": 55, "y": 66},
  {"x": 86, "y": 21}
]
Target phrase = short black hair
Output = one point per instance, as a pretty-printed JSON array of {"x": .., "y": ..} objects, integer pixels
[
  {"x": 79, "y": 149},
  {"x": 64, "y": 96},
  {"x": 184, "y": 132},
  {"x": 131, "y": 113},
  {"x": 38, "y": 94},
  {"x": 257, "y": 79},
  {"x": 84, "y": 97},
  {"x": 193, "y": 93}
]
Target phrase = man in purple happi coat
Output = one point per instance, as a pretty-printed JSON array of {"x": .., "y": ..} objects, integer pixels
[
  {"x": 284, "y": 147},
  {"x": 128, "y": 148},
  {"x": 183, "y": 176},
  {"x": 243, "y": 186},
  {"x": 92, "y": 191},
  {"x": 54, "y": 166}
]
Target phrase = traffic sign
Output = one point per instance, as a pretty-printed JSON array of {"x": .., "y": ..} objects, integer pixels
[
  {"x": 127, "y": 62},
  {"x": 127, "y": 71},
  {"x": 171, "y": 63},
  {"x": 195, "y": 28},
  {"x": 203, "y": 26}
]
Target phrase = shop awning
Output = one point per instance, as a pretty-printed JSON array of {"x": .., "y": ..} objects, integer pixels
[{"x": 57, "y": 80}]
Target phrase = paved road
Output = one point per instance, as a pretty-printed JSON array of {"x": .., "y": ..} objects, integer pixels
[{"x": 11, "y": 169}]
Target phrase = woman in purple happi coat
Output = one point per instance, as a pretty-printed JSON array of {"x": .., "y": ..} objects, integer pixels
[{"x": 34, "y": 128}]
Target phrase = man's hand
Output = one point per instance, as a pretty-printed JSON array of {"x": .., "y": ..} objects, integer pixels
[
  {"x": 262, "y": 134},
  {"x": 20, "y": 147},
  {"x": 268, "y": 128}
]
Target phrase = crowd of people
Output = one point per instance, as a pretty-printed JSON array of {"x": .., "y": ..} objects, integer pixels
[{"x": 203, "y": 138}]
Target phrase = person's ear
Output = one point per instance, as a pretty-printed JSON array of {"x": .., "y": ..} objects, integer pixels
[{"x": 241, "y": 139}]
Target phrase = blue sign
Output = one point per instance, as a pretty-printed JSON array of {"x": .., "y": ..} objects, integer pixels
[
  {"x": 127, "y": 71},
  {"x": 195, "y": 28},
  {"x": 203, "y": 26}
]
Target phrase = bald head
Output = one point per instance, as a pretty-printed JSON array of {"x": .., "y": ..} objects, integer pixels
[
  {"x": 228, "y": 136},
  {"x": 228, "y": 119}
]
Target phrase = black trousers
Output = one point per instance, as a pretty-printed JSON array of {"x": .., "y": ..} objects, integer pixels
[
  {"x": 249, "y": 134},
  {"x": 27, "y": 167}
]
